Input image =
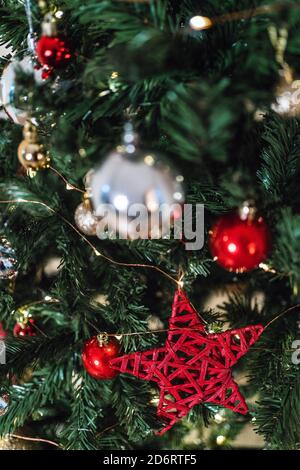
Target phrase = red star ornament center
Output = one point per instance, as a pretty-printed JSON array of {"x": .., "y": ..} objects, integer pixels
[{"x": 194, "y": 366}]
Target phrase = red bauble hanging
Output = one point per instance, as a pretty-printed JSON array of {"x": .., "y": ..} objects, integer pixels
[
  {"x": 51, "y": 49},
  {"x": 97, "y": 353},
  {"x": 240, "y": 241},
  {"x": 53, "y": 52},
  {"x": 25, "y": 329}
]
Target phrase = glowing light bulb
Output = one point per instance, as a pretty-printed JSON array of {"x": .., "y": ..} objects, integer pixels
[
  {"x": 59, "y": 14},
  {"x": 130, "y": 148},
  {"x": 149, "y": 160},
  {"x": 198, "y": 23},
  {"x": 177, "y": 196},
  {"x": 220, "y": 440}
]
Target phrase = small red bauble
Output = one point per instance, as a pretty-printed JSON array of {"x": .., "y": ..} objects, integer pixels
[
  {"x": 25, "y": 329},
  {"x": 240, "y": 243},
  {"x": 53, "y": 52},
  {"x": 96, "y": 357}
]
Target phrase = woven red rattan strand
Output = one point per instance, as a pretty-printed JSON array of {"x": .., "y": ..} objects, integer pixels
[{"x": 194, "y": 366}]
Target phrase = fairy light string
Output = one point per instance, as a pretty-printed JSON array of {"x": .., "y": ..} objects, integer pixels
[
  {"x": 291, "y": 309},
  {"x": 179, "y": 283},
  {"x": 242, "y": 14},
  {"x": 246, "y": 14},
  {"x": 53, "y": 443},
  {"x": 285, "y": 312},
  {"x": 69, "y": 186},
  {"x": 119, "y": 336},
  {"x": 110, "y": 428},
  {"x": 46, "y": 441},
  {"x": 33, "y": 439}
]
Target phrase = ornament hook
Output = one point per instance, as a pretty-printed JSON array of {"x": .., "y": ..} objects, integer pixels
[{"x": 102, "y": 339}]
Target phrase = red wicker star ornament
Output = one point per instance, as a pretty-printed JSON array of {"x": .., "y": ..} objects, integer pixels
[{"x": 194, "y": 366}]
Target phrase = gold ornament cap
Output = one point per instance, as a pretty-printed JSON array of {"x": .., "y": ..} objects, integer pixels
[
  {"x": 103, "y": 339},
  {"x": 30, "y": 133},
  {"x": 248, "y": 210},
  {"x": 87, "y": 201}
]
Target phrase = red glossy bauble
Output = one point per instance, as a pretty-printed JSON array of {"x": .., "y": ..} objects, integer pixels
[
  {"x": 53, "y": 52},
  {"x": 240, "y": 244},
  {"x": 26, "y": 329},
  {"x": 96, "y": 358}
]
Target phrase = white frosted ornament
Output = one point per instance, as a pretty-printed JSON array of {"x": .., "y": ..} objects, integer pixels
[
  {"x": 8, "y": 88},
  {"x": 135, "y": 193}
]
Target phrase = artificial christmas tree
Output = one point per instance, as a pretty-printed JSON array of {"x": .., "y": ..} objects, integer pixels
[{"x": 197, "y": 81}]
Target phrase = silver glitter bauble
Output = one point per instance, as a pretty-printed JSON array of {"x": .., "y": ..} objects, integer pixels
[
  {"x": 4, "y": 401},
  {"x": 8, "y": 87},
  {"x": 85, "y": 219},
  {"x": 135, "y": 183},
  {"x": 8, "y": 260}
]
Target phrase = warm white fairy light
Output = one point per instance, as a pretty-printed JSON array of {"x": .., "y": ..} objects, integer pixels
[
  {"x": 198, "y": 23},
  {"x": 220, "y": 440},
  {"x": 219, "y": 418},
  {"x": 59, "y": 14}
]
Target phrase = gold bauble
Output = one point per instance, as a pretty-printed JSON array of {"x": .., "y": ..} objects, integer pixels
[{"x": 32, "y": 155}]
